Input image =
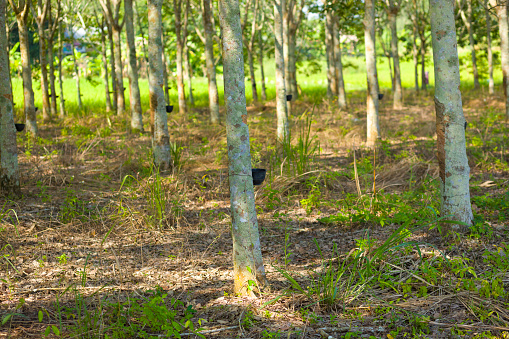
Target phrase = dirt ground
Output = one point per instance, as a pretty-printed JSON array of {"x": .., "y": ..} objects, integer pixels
[{"x": 81, "y": 231}]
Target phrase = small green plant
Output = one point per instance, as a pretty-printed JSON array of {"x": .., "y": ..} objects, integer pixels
[
  {"x": 62, "y": 259},
  {"x": 271, "y": 335}
]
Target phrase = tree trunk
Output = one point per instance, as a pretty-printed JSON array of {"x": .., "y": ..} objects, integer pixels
[
  {"x": 43, "y": 61},
  {"x": 113, "y": 70},
  {"x": 339, "y": 67},
  {"x": 373, "y": 127},
  {"x": 252, "y": 75},
  {"x": 189, "y": 75},
  {"x": 76, "y": 71},
  {"x": 332, "y": 87},
  {"x": 134, "y": 88},
  {"x": 158, "y": 116},
  {"x": 165, "y": 69},
  {"x": 180, "y": 50},
  {"x": 52, "y": 87},
  {"x": 491, "y": 82},
  {"x": 247, "y": 254},
  {"x": 503, "y": 28},
  {"x": 9, "y": 173},
  {"x": 423, "y": 63},
  {"x": 415, "y": 54},
  {"x": 452, "y": 158},
  {"x": 398, "y": 90},
  {"x": 209, "y": 61},
  {"x": 142, "y": 33},
  {"x": 291, "y": 73},
  {"x": 105, "y": 69},
  {"x": 281, "y": 108},
  {"x": 467, "y": 19},
  {"x": 28, "y": 92},
  {"x": 60, "y": 77},
  {"x": 262, "y": 73},
  {"x": 118, "y": 69}
]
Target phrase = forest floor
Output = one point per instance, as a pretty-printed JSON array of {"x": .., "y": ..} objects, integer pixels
[{"x": 99, "y": 246}]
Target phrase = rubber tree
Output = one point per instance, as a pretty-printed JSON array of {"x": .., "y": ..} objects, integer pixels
[
  {"x": 332, "y": 86},
  {"x": 281, "y": 108},
  {"x": 467, "y": 20},
  {"x": 260, "y": 63},
  {"x": 112, "y": 66},
  {"x": 293, "y": 15},
  {"x": 249, "y": 42},
  {"x": 112, "y": 12},
  {"x": 50, "y": 35},
  {"x": 247, "y": 254},
  {"x": 491, "y": 82},
  {"x": 188, "y": 71},
  {"x": 208, "y": 40},
  {"x": 134, "y": 88},
  {"x": 41, "y": 19},
  {"x": 339, "y": 67},
  {"x": 503, "y": 28},
  {"x": 9, "y": 174},
  {"x": 454, "y": 171},
  {"x": 104, "y": 56},
  {"x": 177, "y": 7},
  {"x": 22, "y": 11},
  {"x": 158, "y": 116},
  {"x": 70, "y": 27},
  {"x": 393, "y": 8},
  {"x": 60, "y": 76},
  {"x": 373, "y": 127}
]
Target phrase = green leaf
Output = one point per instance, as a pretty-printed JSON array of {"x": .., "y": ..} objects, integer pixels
[
  {"x": 48, "y": 330},
  {"x": 55, "y": 330},
  {"x": 6, "y": 318},
  {"x": 41, "y": 315}
]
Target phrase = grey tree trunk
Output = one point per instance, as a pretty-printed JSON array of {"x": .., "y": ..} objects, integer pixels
[
  {"x": 28, "y": 92},
  {"x": 254, "y": 92},
  {"x": 105, "y": 68},
  {"x": 281, "y": 108},
  {"x": 53, "y": 27},
  {"x": 398, "y": 89},
  {"x": 209, "y": 61},
  {"x": 60, "y": 77},
  {"x": 467, "y": 20},
  {"x": 491, "y": 82},
  {"x": 294, "y": 15},
  {"x": 188, "y": 74},
  {"x": 42, "y": 11},
  {"x": 165, "y": 69},
  {"x": 260, "y": 61},
  {"x": 332, "y": 86},
  {"x": 118, "y": 70},
  {"x": 373, "y": 127},
  {"x": 339, "y": 67},
  {"x": 415, "y": 54},
  {"x": 423, "y": 63},
  {"x": 113, "y": 70},
  {"x": 9, "y": 173},
  {"x": 134, "y": 88},
  {"x": 76, "y": 70},
  {"x": 450, "y": 122},
  {"x": 158, "y": 116},
  {"x": 503, "y": 28},
  {"x": 177, "y": 5},
  {"x": 247, "y": 254},
  {"x": 140, "y": 29}
]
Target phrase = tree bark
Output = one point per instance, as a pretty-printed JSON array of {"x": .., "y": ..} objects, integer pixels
[
  {"x": 294, "y": 14},
  {"x": 113, "y": 70},
  {"x": 158, "y": 116},
  {"x": 209, "y": 61},
  {"x": 53, "y": 28},
  {"x": 188, "y": 74},
  {"x": 373, "y": 127},
  {"x": 282, "y": 110},
  {"x": 60, "y": 77},
  {"x": 165, "y": 69},
  {"x": 76, "y": 69},
  {"x": 423, "y": 62},
  {"x": 28, "y": 92},
  {"x": 491, "y": 82},
  {"x": 415, "y": 54},
  {"x": 262, "y": 72},
  {"x": 247, "y": 255},
  {"x": 467, "y": 20},
  {"x": 452, "y": 158},
  {"x": 105, "y": 67},
  {"x": 134, "y": 88},
  {"x": 503, "y": 29},
  {"x": 332, "y": 87},
  {"x": 42, "y": 11},
  {"x": 9, "y": 173},
  {"x": 339, "y": 67},
  {"x": 398, "y": 89},
  {"x": 118, "y": 70},
  {"x": 177, "y": 5}
]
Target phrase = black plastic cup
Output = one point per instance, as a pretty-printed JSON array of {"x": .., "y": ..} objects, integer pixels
[
  {"x": 169, "y": 108},
  {"x": 258, "y": 175},
  {"x": 289, "y": 97},
  {"x": 19, "y": 127},
  {"x": 380, "y": 96}
]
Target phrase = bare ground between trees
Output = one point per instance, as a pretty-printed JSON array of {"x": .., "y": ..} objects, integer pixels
[{"x": 74, "y": 217}]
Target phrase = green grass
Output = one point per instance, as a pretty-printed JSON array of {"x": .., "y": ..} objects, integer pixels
[{"x": 313, "y": 85}]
